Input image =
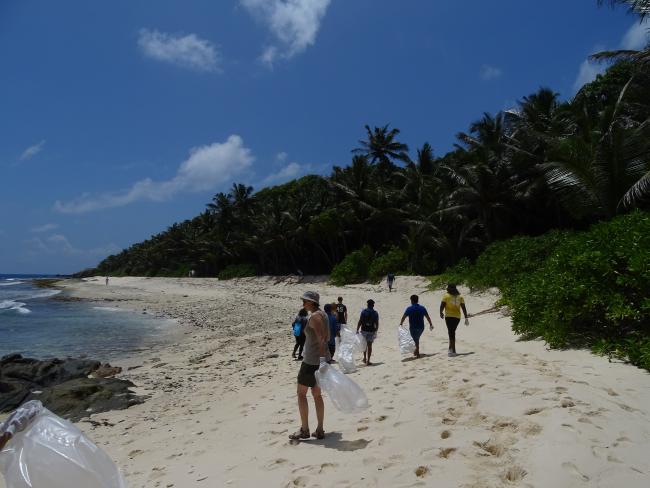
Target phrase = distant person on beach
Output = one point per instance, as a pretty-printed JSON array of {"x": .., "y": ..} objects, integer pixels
[
  {"x": 390, "y": 279},
  {"x": 450, "y": 307},
  {"x": 335, "y": 328},
  {"x": 299, "y": 324},
  {"x": 315, "y": 352},
  {"x": 369, "y": 325},
  {"x": 107, "y": 281},
  {"x": 416, "y": 314},
  {"x": 341, "y": 312}
]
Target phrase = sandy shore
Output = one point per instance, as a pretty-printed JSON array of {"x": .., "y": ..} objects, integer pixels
[{"x": 503, "y": 413}]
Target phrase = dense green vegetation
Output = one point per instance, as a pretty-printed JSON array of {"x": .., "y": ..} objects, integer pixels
[
  {"x": 544, "y": 165},
  {"x": 589, "y": 288}
]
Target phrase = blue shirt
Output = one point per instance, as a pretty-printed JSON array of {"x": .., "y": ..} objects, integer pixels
[
  {"x": 416, "y": 313},
  {"x": 334, "y": 329}
]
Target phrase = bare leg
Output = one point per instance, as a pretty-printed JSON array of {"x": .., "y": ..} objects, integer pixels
[
  {"x": 303, "y": 407},
  {"x": 320, "y": 406},
  {"x": 369, "y": 352}
]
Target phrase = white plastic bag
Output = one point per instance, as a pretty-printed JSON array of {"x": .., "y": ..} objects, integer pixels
[
  {"x": 346, "y": 357},
  {"x": 406, "y": 342},
  {"x": 345, "y": 394},
  {"x": 360, "y": 343},
  {"x": 46, "y": 451}
]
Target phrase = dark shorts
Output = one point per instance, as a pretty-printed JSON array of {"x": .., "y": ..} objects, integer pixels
[
  {"x": 416, "y": 332},
  {"x": 306, "y": 375},
  {"x": 452, "y": 324},
  {"x": 370, "y": 336}
]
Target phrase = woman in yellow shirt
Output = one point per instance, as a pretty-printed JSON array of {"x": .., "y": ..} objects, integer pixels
[{"x": 450, "y": 307}]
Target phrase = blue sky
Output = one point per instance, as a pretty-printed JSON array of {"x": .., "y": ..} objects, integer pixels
[{"x": 119, "y": 118}]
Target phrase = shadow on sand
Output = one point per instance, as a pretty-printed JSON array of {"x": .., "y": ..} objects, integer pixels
[
  {"x": 334, "y": 440},
  {"x": 422, "y": 356}
]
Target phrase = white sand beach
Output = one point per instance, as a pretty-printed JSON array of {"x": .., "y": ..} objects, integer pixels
[{"x": 503, "y": 413}]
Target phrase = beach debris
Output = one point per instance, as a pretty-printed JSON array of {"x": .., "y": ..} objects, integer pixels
[{"x": 46, "y": 450}]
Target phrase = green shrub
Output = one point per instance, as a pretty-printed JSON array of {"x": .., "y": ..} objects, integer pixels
[
  {"x": 394, "y": 261},
  {"x": 353, "y": 268},
  {"x": 237, "y": 271},
  {"x": 574, "y": 288},
  {"x": 593, "y": 286}
]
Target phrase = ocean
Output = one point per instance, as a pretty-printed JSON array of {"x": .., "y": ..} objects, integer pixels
[{"x": 35, "y": 324}]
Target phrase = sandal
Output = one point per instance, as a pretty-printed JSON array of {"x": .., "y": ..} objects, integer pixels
[
  {"x": 319, "y": 434},
  {"x": 301, "y": 434}
]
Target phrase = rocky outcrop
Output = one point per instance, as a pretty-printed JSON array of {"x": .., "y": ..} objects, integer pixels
[{"x": 63, "y": 386}]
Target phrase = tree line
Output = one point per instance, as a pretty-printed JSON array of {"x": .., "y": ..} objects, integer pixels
[{"x": 544, "y": 164}]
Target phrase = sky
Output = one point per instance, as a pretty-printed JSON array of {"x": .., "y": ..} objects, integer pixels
[{"x": 120, "y": 118}]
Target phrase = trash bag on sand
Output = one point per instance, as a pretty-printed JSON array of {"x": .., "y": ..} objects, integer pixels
[
  {"x": 406, "y": 342},
  {"x": 45, "y": 451},
  {"x": 345, "y": 394}
]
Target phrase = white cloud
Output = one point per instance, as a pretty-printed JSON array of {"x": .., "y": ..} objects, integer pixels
[
  {"x": 281, "y": 156},
  {"x": 636, "y": 37},
  {"x": 207, "y": 167},
  {"x": 293, "y": 24},
  {"x": 32, "y": 151},
  {"x": 44, "y": 228},
  {"x": 490, "y": 72},
  {"x": 587, "y": 73},
  {"x": 58, "y": 244},
  {"x": 288, "y": 172},
  {"x": 188, "y": 51}
]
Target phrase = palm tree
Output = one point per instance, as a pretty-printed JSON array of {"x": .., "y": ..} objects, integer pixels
[
  {"x": 382, "y": 149},
  {"x": 642, "y": 9},
  {"x": 605, "y": 166}
]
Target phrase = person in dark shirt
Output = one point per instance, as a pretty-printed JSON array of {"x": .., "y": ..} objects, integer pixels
[
  {"x": 369, "y": 325},
  {"x": 301, "y": 322},
  {"x": 341, "y": 312},
  {"x": 390, "y": 279},
  {"x": 416, "y": 314},
  {"x": 335, "y": 328}
]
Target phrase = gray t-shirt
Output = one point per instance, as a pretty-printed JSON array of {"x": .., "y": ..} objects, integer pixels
[{"x": 311, "y": 352}]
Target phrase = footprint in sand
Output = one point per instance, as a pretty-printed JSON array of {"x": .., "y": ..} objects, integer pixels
[
  {"x": 445, "y": 434},
  {"x": 514, "y": 474},
  {"x": 533, "y": 411},
  {"x": 573, "y": 470},
  {"x": 421, "y": 471},
  {"x": 490, "y": 448},
  {"x": 275, "y": 463},
  {"x": 445, "y": 452}
]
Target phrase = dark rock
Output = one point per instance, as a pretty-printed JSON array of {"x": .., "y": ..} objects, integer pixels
[
  {"x": 81, "y": 397},
  {"x": 106, "y": 371},
  {"x": 62, "y": 385}
]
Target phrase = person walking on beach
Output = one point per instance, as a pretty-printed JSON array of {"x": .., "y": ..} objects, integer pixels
[
  {"x": 315, "y": 352},
  {"x": 107, "y": 281},
  {"x": 341, "y": 312},
  {"x": 390, "y": 279},
  {"x": 450, "y": 307},
  {"x": 416, "y": 314},
  {"x": 299, "y": 324},
  {"x": 369, "y": 325},
  {"x": 335, "y": 328}
]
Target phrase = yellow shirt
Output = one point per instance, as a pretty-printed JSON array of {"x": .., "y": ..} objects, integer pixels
[{"x": 452, "y": 305}]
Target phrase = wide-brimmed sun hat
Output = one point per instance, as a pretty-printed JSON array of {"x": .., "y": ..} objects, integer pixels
[{"x": 311, "y": 296}]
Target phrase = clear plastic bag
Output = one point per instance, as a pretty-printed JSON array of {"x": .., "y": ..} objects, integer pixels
[
  {"x": 345, "y": 354},
  {"x": 406, "y": 342},
  {"x": 345, "y": 394},
  {"x": 45, "y": 451}
]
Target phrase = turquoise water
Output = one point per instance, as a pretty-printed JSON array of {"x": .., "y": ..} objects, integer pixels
[{"x": 34, "y": 324}]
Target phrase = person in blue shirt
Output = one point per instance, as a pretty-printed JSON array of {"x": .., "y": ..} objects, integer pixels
[
  {"x": 369, "y": 325},
  {"x": 416, "y": 314},
  {"x": 335, "y": 328}
]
